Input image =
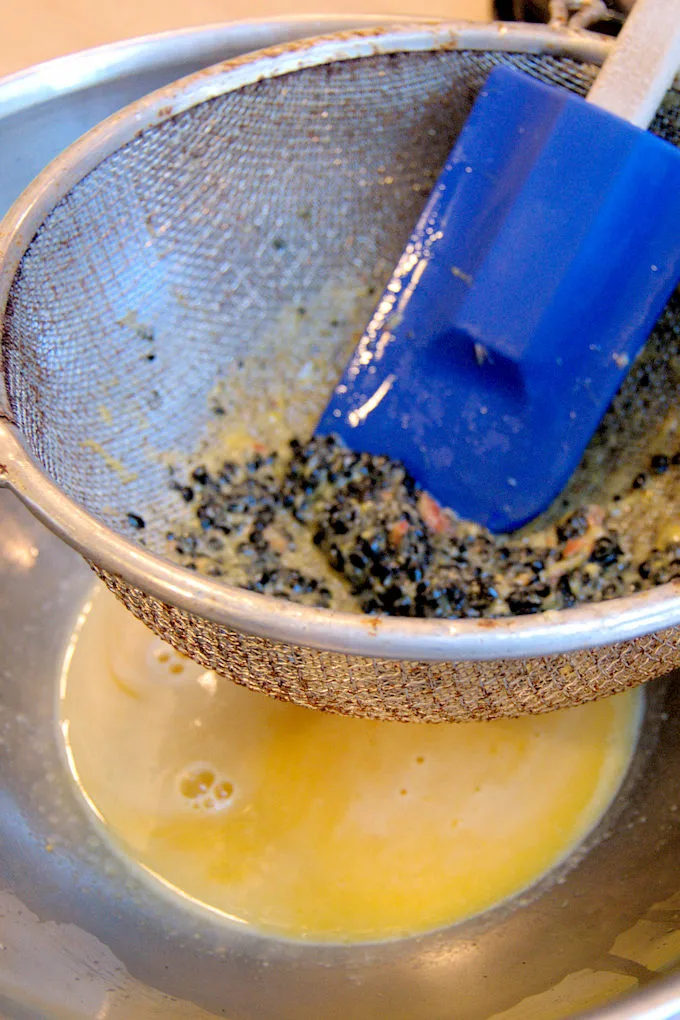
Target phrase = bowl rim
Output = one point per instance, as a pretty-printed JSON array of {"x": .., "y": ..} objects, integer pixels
[{"x": 548, "y": 633}]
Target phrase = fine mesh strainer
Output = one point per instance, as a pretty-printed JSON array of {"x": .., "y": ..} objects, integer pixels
[{"x": 167, "y": 222}]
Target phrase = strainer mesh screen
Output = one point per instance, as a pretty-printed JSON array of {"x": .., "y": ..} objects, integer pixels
[{"x": 215, "y": 248}]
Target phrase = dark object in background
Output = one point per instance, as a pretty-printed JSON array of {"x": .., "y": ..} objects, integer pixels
[
  {"x": 539, "y": 11},
  {"x": 522, "y": 10}
]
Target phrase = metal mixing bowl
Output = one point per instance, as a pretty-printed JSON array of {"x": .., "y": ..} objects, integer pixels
[{"x": 80, "y": 938}]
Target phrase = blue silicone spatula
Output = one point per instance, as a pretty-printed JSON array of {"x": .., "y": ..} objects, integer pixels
[{"x": 545, "y": 254}]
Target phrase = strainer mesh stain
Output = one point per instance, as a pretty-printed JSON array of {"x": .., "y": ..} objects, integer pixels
[{"x": 170, "y": 265}]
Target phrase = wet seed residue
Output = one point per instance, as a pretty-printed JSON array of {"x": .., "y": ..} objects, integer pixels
[{"x": 295, "y": 525}]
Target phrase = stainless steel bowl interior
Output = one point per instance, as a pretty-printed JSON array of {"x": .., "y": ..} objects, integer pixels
[{"x": 70, "y": 909}]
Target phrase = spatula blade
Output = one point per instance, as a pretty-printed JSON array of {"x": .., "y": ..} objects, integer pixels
[{"x": 543, "y": 258}]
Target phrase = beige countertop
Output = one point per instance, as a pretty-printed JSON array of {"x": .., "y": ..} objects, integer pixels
[{"x": 35, "y": 30}]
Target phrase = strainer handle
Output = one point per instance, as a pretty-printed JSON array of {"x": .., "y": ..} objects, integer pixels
[{"x": 640, "y": 70}]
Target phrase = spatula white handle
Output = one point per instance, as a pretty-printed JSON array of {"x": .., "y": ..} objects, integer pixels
[{"x": 636, "y": 76}]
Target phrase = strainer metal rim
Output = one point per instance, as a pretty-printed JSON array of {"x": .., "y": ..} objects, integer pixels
[{"x": 548, "y": 633}]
